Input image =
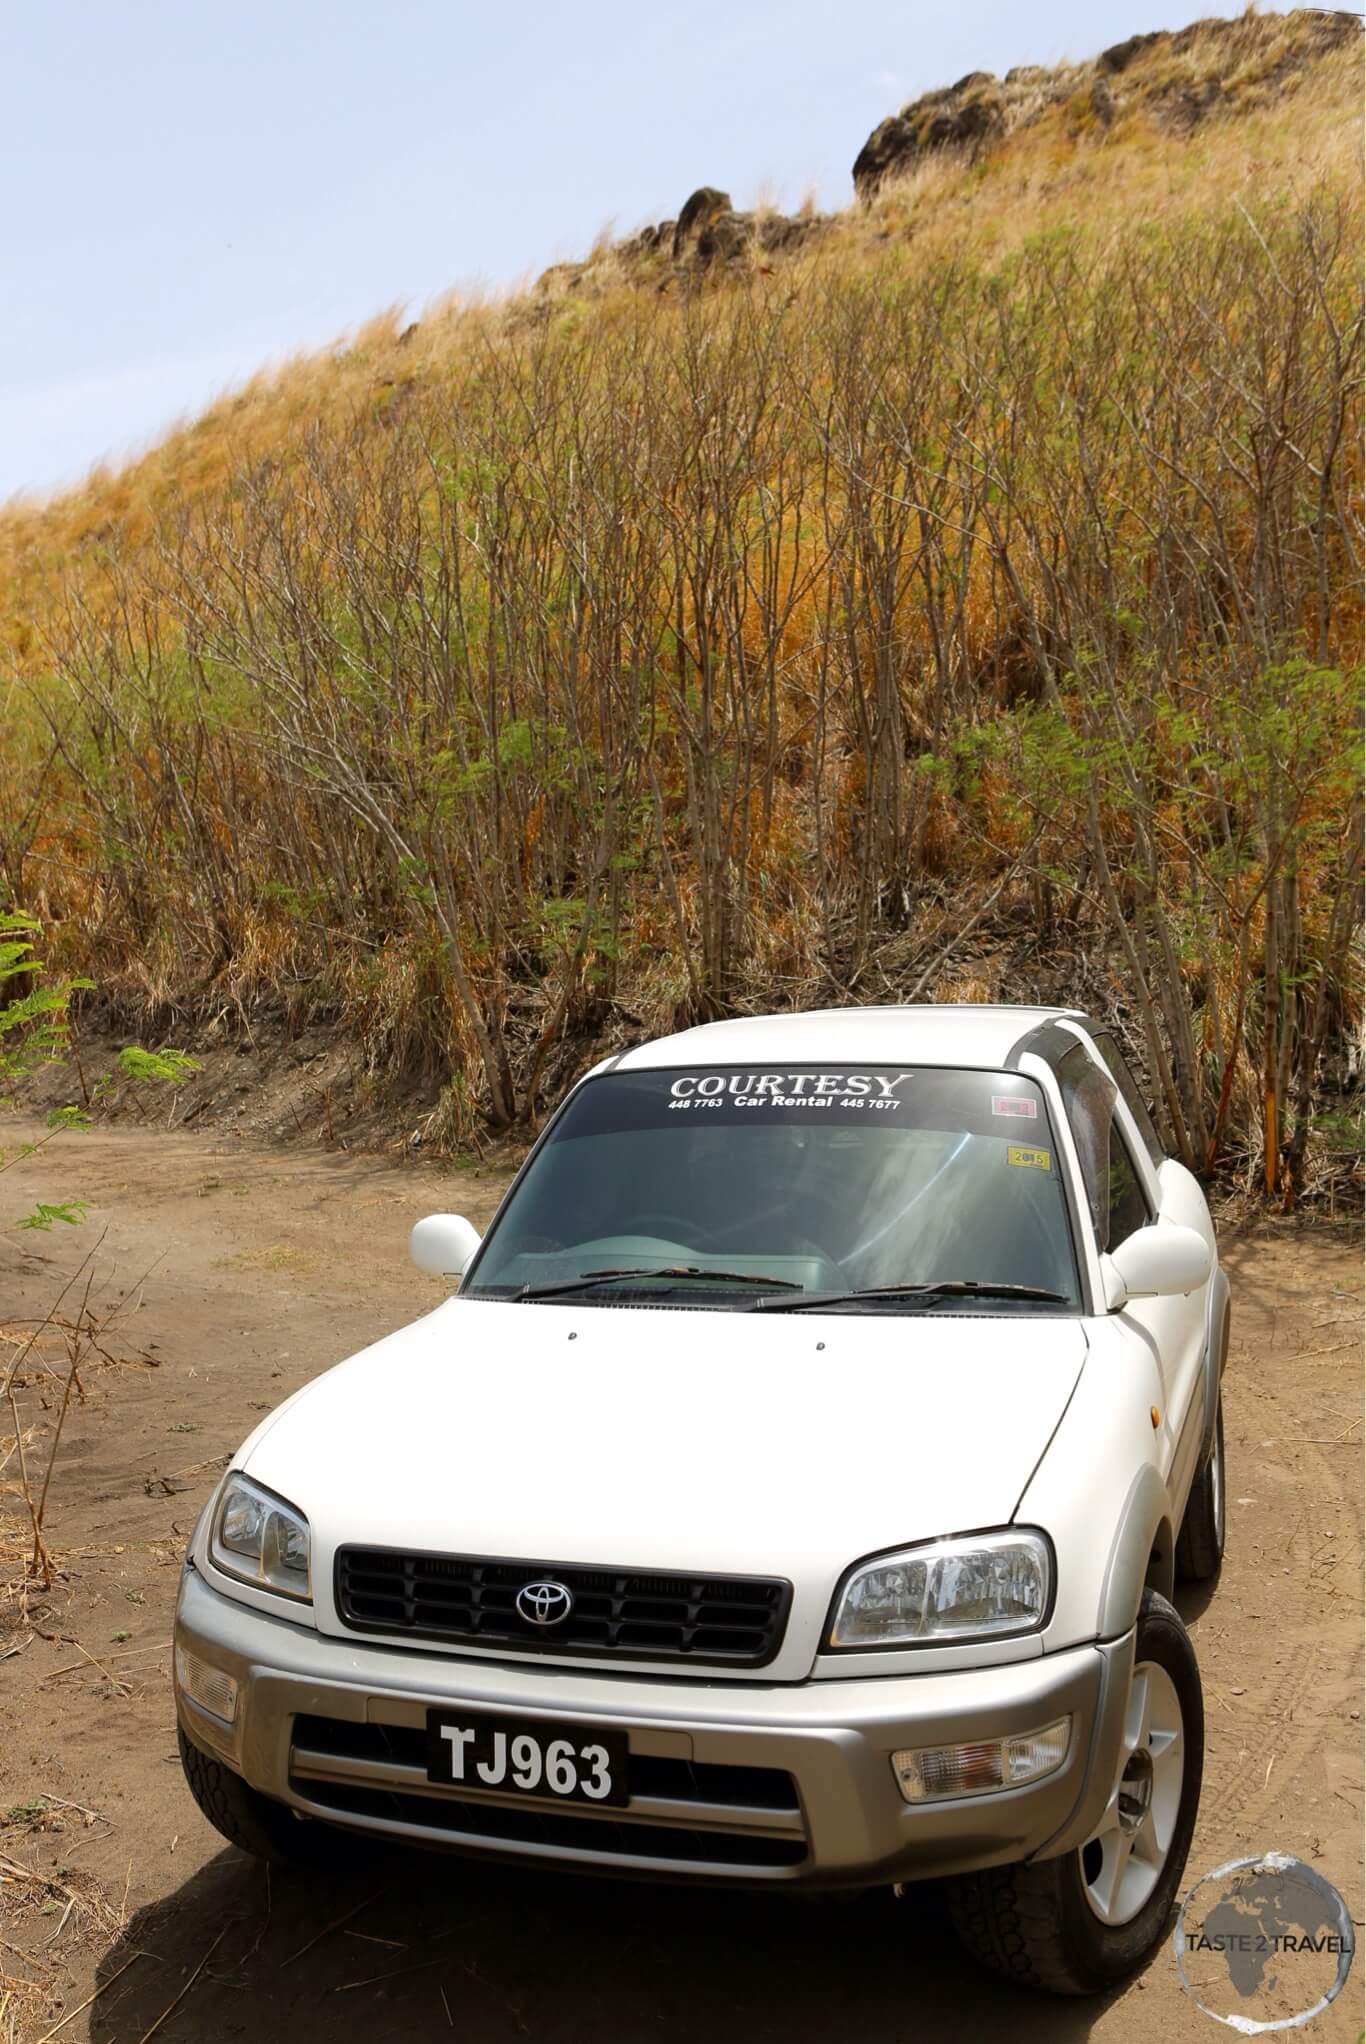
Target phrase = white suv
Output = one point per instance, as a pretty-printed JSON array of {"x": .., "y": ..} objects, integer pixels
[{"x": 792, "y": 1493}]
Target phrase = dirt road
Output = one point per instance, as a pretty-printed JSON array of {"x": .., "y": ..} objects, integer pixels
[{"x": 270, "y": 1264}]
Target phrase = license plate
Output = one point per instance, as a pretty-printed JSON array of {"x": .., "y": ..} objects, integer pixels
[{"x": 474, "y": 1749}]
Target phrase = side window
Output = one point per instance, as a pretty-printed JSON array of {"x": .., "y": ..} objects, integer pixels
[
  {"x": 1133, "y": 1099},
  {"x": 1114, "y": 1191},
  {"x": 1088, "y": 1095},
  {"x": 1128, "y": 1206}
]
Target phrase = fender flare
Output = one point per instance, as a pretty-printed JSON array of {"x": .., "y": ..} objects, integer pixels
[
  {"x": 1216, "y": 1356},
  {"x": 1144, "y": 1530}
]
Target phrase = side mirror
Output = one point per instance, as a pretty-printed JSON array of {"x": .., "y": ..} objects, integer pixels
[
  {"x": 1160, "y": 1262},
  {"x": 443, "y": 1245}
]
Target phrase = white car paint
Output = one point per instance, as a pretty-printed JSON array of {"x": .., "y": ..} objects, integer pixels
[
  {"x": 646, "y": 1440},
  {"x": 781, "y": 1445}
]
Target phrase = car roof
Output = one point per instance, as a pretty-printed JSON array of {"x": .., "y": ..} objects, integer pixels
[{"x": 965, "y": 1035}]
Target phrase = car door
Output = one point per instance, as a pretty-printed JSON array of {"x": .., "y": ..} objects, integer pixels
[{"x": 1126, "y": 1192}]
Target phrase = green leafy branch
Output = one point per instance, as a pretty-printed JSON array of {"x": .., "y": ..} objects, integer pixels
[{"x": 35, "y": 1029}]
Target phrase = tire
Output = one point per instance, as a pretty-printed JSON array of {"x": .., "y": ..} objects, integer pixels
[
  {"x": 1200, "y": 1543},
  {"x": 259, "y": 1825},
  {"x": 1039, "y": 1924}
]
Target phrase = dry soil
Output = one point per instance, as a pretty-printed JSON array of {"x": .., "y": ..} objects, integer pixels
[{"x": 240, "y": 1271}]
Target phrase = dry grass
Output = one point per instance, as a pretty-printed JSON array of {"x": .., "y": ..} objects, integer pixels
[
  {"x": 1283, "y": 142},
  {"x": 1291, "y": 134},
  {"x": 72, "y": 1902},
  {"x": 46, "y": 1367},
  {"x": 1064, "y": 432}
]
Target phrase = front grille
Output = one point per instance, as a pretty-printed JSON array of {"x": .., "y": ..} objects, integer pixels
[
  {"x": 600, "y": 1836},
  {"x": 470, "y": 1599},
  {"x": 681, "y": 1813},
  {"x": 652, "y": 1774}
]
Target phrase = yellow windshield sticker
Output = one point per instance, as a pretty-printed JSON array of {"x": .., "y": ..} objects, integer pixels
[{"x": 1017, "y": 1153}]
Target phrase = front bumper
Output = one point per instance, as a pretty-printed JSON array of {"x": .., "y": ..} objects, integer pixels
[{"x": 741, "y": 1782}]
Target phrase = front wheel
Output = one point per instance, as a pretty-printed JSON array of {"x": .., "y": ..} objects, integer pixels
[
  {"x": 1084, "y": 1922},
  {"x": 1200, "y": 1543},
  {"x": 259, "y": 1825}
]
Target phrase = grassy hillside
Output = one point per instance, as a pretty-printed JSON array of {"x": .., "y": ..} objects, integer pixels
[{"x": 958, "y": 596}]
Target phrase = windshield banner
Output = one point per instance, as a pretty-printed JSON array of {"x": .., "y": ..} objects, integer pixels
[
  {"x": 788, "y": 1089},
  {"x": 891, "y": 1097}
]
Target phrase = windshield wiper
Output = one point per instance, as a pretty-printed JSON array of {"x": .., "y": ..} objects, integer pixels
[
  {"x": 942, "y": 1288},
  {"x": 589, "y": 1278}
]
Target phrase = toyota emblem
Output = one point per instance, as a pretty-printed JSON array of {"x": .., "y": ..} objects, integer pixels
[{"x": 544, "y": 1603}]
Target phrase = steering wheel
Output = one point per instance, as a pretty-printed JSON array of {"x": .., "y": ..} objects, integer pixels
[
  {"x": 1034, "y": 1260},
  {"x": 1047, "y": 1250},
  {"x": 672, "y": 1227},
  {"x": 798, "y": 1244}
]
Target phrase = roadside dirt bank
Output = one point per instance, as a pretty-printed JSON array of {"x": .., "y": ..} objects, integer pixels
[{"x": 244, "y": 1270}]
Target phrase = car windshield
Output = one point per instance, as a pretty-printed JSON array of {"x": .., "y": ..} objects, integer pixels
[{"x": 737, "y": 1187}]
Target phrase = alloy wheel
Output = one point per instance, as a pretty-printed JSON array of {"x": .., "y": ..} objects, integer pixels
[{"x": 1123, "y": 1862}]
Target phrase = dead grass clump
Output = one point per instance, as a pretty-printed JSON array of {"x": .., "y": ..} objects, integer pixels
[
  {"x": 46, "y": 1918},
  {"x": 45, "y": 1367}
]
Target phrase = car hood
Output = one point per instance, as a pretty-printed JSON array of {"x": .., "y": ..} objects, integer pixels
[{"x": 767, "y": 1444}]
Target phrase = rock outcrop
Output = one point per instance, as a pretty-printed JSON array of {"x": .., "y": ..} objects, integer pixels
[
  {"x": 710, "y": 230},
  {"x": 1177, "y": 79},
  {"x": 708, "y": 234},
  {"x": 961, "y": 116},
  {"x": 700, "y": 214},
  {"x": 1173, "y": 80}
]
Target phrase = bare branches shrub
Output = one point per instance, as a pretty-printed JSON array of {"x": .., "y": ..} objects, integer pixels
[{"x": 649, "y": 659}]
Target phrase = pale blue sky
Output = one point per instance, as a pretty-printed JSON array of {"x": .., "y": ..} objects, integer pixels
[{"x": 195, "y": 188}]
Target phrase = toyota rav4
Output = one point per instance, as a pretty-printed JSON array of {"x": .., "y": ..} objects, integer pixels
[{"x": 792, "y": 1492}]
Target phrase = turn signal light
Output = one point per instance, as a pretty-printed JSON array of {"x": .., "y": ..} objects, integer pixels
[
  {"x": 205, "y": 1685},
  {"x": 927, "y": 1774}
]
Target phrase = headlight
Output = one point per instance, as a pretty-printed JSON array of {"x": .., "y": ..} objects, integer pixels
[
  {"x": 261, "y": 1540},
  {"x": 983, "y": 1587}
]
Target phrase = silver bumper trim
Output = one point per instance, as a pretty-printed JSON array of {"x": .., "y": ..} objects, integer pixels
[
  {"x": 834, "y": 1738},
  {"x": 305, "y": 1765}
]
